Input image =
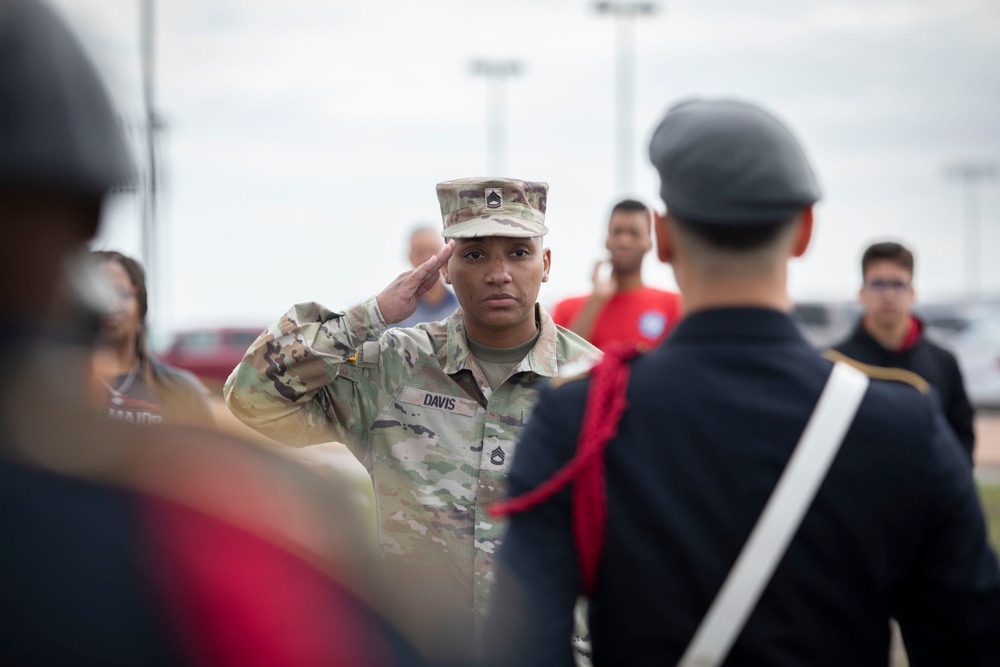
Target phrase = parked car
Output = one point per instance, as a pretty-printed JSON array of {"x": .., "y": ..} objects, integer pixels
[
  {"x": 944, "y": 320},
  {"x": 977, "y": 349},
  {"x": 211, "y": 354}
]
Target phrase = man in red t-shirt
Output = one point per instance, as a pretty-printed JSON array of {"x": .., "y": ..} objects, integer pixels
[{"x": 621, "y": 308}]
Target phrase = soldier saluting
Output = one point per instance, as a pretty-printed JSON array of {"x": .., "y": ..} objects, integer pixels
[{"x": 433, "y": 412}]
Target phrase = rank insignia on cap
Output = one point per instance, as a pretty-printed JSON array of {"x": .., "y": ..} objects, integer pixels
[
  {"x": 494, "y": 199},
  {"x": 497, "y": 457}
]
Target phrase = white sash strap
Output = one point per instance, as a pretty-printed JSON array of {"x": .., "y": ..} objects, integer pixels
[{"x": 780, "y": 519}]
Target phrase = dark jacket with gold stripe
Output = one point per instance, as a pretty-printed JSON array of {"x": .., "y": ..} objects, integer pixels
[{"x": 931, "y": 362}]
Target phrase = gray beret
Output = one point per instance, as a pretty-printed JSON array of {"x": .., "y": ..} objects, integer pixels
[
  {"x": 58, "y": 131},
  {"x": 728, "y": 162}
]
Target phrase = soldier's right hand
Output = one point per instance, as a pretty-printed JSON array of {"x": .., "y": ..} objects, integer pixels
[{"x": 400, "y": 299}]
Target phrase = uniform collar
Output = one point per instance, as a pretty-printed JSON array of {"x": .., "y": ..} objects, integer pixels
[
  {"x": 542, "y": 359},
  {"x": 742, "y": 324},
  {"x": 913, "y": 338}
]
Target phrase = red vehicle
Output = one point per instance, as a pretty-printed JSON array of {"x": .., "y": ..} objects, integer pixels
[{"x": 211, "y": 354}]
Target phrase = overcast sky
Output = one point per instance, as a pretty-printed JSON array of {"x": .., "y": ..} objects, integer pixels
[{"x": 303, "y": 138}]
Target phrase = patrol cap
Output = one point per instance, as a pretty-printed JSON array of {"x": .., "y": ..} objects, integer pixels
[
  {"x": 472, "y": 207},
  {"x": 58, "y": 131},
  {"x": 730, "y": 162}
]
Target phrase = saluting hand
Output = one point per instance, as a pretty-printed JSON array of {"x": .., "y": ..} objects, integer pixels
[{"x": 400, "y": 299}]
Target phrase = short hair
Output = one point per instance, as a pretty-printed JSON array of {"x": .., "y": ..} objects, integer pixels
[
  {"x": 896, "y": 253},
  {"x": 630, "y": 206},
  {"x": 417, "y": 231},
  {"x": 738, "y": 238},
  {"x": 424, "y": 229}
]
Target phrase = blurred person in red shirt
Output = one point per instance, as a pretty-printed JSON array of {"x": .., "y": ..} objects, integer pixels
[{"x": 621, "y": 309}]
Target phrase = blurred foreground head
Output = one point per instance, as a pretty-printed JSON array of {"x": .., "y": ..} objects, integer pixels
[
  {"x": 62, "y": 152},
  {"x": 738, "y": 189},
  {"x": 730, "y": 163},
  {"x": 124, "y": 544}
]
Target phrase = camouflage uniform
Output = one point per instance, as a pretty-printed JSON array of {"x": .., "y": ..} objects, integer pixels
[{"x": 416, "y": 410}]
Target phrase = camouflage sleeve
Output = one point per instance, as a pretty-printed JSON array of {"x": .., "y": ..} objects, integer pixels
[{"x": 313, "y": 376}]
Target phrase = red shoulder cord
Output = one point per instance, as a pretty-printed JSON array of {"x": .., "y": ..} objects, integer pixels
[{"x": 605, "y": 405}]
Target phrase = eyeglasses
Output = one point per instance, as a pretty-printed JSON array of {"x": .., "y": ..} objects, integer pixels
[{"x": 887, "y": 286}]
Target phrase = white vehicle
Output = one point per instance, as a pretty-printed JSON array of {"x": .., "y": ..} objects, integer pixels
[{"x": 977, "y": 348}]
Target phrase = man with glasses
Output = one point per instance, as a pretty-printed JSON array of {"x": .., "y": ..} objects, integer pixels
[{"x": 890, "y": 336}]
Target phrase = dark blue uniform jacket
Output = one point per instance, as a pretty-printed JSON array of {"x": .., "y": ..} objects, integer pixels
[{"x": 896, "y": 529}]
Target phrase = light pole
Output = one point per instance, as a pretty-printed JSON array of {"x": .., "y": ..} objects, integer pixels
[
  {"x": 149, "y": 180},
  {"x": 496, "y": 72},
  {"x": 147, "y": 27},
  {"x": 624, "y": 14},
  {"x": 971, "y": 174}
]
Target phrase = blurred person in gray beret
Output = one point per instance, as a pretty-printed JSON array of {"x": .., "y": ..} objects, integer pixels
[
  {"x": 122, "y": 544},
  {"x": 732, "y": 495}
]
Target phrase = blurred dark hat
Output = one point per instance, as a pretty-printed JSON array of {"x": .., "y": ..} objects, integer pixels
[
  {"x": 58, "y": 131},
  {"x": 729, "y": 162}
]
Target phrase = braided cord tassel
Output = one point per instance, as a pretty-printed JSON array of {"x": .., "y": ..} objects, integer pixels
[{"x": 605, "y": 405}]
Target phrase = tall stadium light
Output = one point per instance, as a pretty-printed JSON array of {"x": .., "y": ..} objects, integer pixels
[
  {"x": 147, "y": 28},
  {"x": 496, "y": 72},
  {"x": 972, "y": 174},
  {"x": 625, "y": 14}
]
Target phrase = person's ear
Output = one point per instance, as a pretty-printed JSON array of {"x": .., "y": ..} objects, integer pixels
[
  {"x": 664, "y": 238},
  {"x": 445, "y": 274},
  {"x": 804, "y": 234},
  {"x": 546, "y": 264}
]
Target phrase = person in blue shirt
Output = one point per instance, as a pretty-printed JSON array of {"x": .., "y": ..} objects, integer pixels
[{"x": 438, "y": 302}]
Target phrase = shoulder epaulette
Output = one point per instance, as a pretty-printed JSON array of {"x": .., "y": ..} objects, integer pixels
[{"x": 882, "y": 372}]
